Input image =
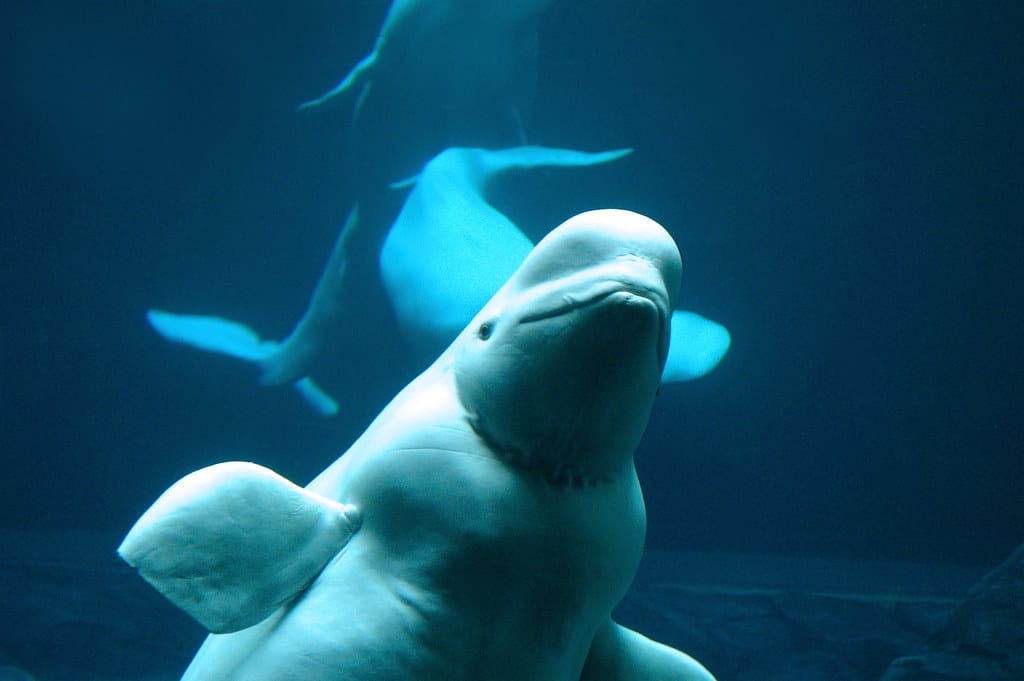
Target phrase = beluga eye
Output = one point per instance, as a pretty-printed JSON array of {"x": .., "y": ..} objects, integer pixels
[{"x": 485, "y": 330}]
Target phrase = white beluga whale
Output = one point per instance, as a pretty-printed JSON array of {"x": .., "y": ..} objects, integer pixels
[
  {"x": 450, "y": 249},
  {"x": 487, "y": 521},
  {"x": 440, "y": 73},
  {"x": 446, "y": 253}
]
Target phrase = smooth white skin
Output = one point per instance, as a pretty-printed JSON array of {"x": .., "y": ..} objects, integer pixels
[
  {"x": 620, "y": 654},
  {"x": 501, "y": 515},
  {"x": 232, "y": 542}
]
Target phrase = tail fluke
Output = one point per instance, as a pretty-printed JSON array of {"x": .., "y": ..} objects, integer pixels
[{"x": 223, "y": 336}]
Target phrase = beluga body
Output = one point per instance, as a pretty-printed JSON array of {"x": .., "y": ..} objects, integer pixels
[{"x": 489, "y": 520}]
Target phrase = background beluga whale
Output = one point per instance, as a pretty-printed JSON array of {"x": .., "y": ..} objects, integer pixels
[
  {"x": 489, "y": 519},
  {"x": 450, "y": 249},
  {"x": 441, "y": 73}
]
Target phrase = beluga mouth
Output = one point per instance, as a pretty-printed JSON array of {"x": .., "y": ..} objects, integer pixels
[
  {"x": 568, "y": 302},
  {"x": 624, "y": 283},
  {"x": 558, "y": 372}
]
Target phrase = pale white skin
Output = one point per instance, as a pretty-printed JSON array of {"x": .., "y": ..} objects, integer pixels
[{"x": 502, "y": 519}]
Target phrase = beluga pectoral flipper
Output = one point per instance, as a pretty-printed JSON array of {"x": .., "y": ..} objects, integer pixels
[{"x": 230, "y": 543}]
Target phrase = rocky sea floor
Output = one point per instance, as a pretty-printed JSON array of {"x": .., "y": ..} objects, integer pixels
[{"x": 73, "y": 612}]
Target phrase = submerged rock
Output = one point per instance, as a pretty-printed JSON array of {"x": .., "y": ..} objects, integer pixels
[
  {"x": 9, "y": 673},
  {"x": 983, "y": 639}
]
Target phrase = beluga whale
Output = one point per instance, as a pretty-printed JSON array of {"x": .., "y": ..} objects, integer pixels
[
  {"x": 444, "y": 256},
  {"x": 440, "y": 73},
  {"x": 450, "y": 249},
  {"x": 484, "y": 525}
]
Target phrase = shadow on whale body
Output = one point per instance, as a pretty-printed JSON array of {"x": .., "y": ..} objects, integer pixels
[
  {"x": 485, "y": 524},
  {"x": 444, "y": 256}
]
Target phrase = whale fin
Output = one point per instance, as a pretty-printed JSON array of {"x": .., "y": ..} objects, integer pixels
[
  {"x": 697, "y": 346},
  {"x": 204, "y": 543},
  {"x": 234, "y": 339},
  {"x": 401, "y": 17},
  {"x": 621, "y": 654},
  {"x": 316, "y": 397},
  {"x": 212, "y": 334},
  {"x": 493, "y": 162},
  {"x": 406, "y": 183},
  {"x": 527, "y": 157},
  {"x": 359, "y": 73}
]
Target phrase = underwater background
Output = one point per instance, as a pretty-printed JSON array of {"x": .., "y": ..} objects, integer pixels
[{"x": 844, "y": 180}]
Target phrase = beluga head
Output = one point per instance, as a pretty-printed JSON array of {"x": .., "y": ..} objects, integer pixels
[{"x": 559, "y": 370}]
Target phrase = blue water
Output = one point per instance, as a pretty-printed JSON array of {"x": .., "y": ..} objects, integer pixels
[{"x": 843, "y": 180}]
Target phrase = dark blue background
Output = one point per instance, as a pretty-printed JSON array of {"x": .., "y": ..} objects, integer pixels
[{"x": 844, "y": 180}]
